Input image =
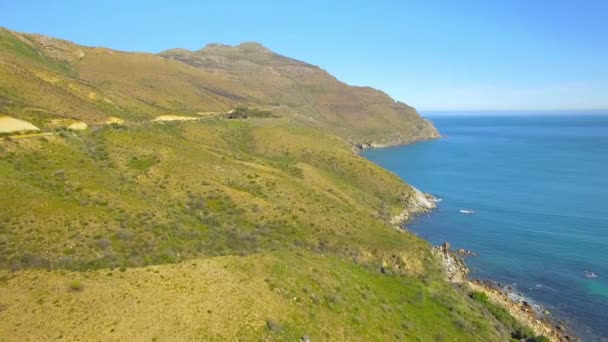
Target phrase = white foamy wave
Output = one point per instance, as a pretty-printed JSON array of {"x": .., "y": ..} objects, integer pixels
[{"x": 589, "y": 274}]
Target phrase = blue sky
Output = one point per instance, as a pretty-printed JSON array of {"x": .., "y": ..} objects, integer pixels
[{"x": 432, "y": 55}]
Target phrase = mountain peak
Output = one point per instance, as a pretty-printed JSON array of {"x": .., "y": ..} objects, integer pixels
[
  {"x": 253, "y": 46},
  {"x": 246, "y": 47}
]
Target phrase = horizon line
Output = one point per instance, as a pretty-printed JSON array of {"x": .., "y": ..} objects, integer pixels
[{"x": 516, "y": 110}]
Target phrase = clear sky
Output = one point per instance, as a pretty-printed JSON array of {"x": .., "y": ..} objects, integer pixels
[{"x": 530, "y": 54}]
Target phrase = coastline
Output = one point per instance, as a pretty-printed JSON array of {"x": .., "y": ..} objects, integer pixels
[
  {"x": 458, "y": 273},
  {"x": 369, "y": 144},
  {"x": 524, "y": 312}
]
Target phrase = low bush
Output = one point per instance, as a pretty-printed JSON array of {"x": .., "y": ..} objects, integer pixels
[
  {"x": 479, "y": 297},
  {"x": 76, "y": 286}
]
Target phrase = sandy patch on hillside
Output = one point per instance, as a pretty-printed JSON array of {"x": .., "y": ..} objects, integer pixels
[
  {"x": 78, "y": 126},
  {"x": 175, "y": 118},
  {"x": 114, "y": 120},
  {"x": 10, "y": 125}
]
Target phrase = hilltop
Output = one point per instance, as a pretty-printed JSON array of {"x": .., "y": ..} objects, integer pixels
[{"x": 211, "y": 195}]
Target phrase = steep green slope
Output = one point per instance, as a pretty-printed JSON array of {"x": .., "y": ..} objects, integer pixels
[
  {"x": 287, "y": 224},
  {"x": 164, "y": 192}
]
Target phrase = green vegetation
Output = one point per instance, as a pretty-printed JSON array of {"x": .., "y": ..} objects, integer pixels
[
  {"x": 269, "y": 228},
  {"x": 12, "y": 43},
  {"x": 282, "y": 295},
  {"x": 164, "y": 193},
  {"x": 307, "y": 212},
  {"x": 142, "y": 164}
]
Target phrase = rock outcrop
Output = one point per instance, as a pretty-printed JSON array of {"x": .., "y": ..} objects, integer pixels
[
  {"x": 453, "y": 264},
  {"x": 418, "y": 202}
]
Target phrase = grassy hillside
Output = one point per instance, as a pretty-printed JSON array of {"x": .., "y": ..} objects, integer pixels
[
  {"x": 251, "y": 222},
  {"x": 46, "y": 79},
  {"x": 272, "y": 296},
  {"x": 212, "y": 230},
  {"x": 159, "y": 193}
]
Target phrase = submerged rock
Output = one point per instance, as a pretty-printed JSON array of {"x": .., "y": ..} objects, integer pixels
[{"x": 465, "y": 252}]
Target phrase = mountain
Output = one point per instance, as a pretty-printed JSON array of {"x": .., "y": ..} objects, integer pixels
[
  {"x": 361, "y": 114},
  {"x": 46, "y": 79},
  {"x": 211, "y": 195}
]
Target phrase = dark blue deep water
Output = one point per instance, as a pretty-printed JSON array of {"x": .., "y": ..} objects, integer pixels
[{"x": 538, "y": 187}]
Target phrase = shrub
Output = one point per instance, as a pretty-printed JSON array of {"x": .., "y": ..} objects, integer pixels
[
  {"x": 104, "y": 243},
  {"x": 76, "y": 286},
  {"x": 479, "y": 297}
]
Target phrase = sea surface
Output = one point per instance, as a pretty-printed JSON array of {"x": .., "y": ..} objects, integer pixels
[{"x": 537, "y": 186}]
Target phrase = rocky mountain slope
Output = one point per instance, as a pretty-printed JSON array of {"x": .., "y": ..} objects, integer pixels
[{"x": 361, "y": 114}]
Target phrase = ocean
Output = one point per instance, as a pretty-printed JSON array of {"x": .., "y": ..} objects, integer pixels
[{"x": 536, "y": 187}]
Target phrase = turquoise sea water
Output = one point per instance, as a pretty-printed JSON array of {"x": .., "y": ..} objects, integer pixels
[{"x": 538, "y": 189}]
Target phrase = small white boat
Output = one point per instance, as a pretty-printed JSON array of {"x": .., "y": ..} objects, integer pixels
[{"x": 464, "y": 211}]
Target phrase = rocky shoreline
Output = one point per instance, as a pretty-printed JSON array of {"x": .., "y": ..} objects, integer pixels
[
  {"x": 457, "y": 271},
  {"x": 524, "y": 312},
  {"x": 370, "y": 144}
]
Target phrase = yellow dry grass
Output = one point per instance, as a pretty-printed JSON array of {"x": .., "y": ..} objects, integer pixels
[{"x": 220, "y": 298}]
